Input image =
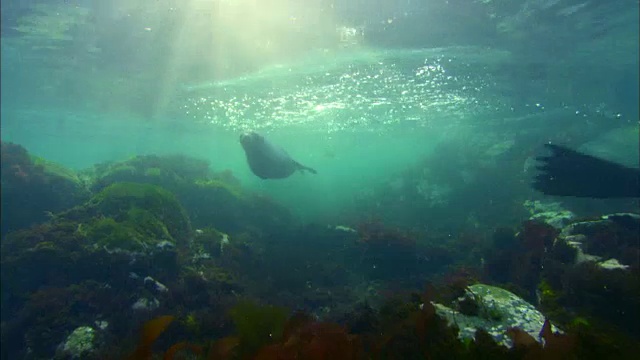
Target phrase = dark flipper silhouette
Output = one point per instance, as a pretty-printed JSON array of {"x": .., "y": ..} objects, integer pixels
[
  {"x": 567, "y": 172},
  {"x": 306, "y": 168}
]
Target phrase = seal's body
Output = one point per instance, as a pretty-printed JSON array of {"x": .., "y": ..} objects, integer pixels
[{"x": 268, "y": 161}]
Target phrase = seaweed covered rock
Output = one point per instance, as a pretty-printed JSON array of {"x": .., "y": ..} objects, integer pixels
[
  {"x": 587, "y": 270},
  {"x": 216, "y": 203},
  {"x": 79, "y": 344},
  {"x": 94, "y": 260},
  {"x": 216, "y": 258},
  {"x": 34, "y": 188},
  {"x": 390, "y": 253},
  {"x": 496, "y": 310},
  {"x": 401, "y": 329},
  {"x": 613, "y": 236},
  {"x": 549, "y": 213},
  {"x": 125, "y": 228},
  {"x": 45, "y": 324},
  {"x": 170, "y": 171},
  {"x": 212, "y": 199},
  {"x": 593, "y": 269},
  {"x": 135, "y": 216},
  {"x": 515, "y": 260}
]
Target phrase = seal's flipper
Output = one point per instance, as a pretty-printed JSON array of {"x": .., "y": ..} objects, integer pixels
[
  {"x": 305, "y": 168},
  {"x": 567, "y": 172},
  {"x": 313, "y": 171}
]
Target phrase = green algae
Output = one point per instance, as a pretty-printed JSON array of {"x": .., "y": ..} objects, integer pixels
[
  {"x": 55, "y": 169},
  {"x": 148, "y": 210},
  {"x": 153, "y": 172}
]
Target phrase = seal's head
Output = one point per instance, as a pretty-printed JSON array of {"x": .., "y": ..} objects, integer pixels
[{"x": 251, "y": 140}]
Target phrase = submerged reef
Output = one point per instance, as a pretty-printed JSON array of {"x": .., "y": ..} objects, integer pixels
[
  {"x": 400, "y": 329},
  {"x": 211, "y": 198},
  {"x": 126, "y": 220},
  {"x": 550, "y": 213},
  {"x": 515, "y": 258},
  {"x": 78, "y": 344},
  {"x": 584, "y": 276},
  {"x": 240, "y": 278},
  {"x": 134, "y": 217},
  {"x": 592, "y": 272},
  {"x": 127, "y": 251},
  {"x": 84, "y": 258},
  {"x": 495, "y": 310},
  {"x": 33, "y": 189}
]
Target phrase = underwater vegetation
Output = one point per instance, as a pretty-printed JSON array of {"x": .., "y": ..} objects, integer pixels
[
  {"x": 592, "y": 273},
  {"x": 92, "y": 249},
  {"x": 388, "y": 252},
  {"x": 119, "y": 248},
  {"x": 170, "y": 171},
  {"x": 575, "y": 274},
  {"x": 34, "y": 188},
  {"x": 401, "y": 329},
  {"x": 211, "y": 198},
  {"x": 125, "y": 220},
  {"x": 516, "y": 258},
  {"x": 241, "y": 279}
]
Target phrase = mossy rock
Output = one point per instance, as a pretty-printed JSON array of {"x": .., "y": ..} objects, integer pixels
[
  {"x": 132, "y": 216},
  {"x": 211, "y": 199},
  {"x": 111, "y": 235},
  {"x": 222, "y": 278},
  {"x": 206, "y": 243},
  {"x": 54, "y": 169},
  {"x": 216, "y": 184},
  {"x": 51, "y": 314},
  {"x": 169, "y": 171},
  {"x": 148, "y": 210},
  {"x": 96, "y": 240},
  {"x": 224, "y": 206},
  {"x": 120, "y": 172},
  {"x": 153, "y": 172},
  {"x": 212, "y": 203},
  {"x": 34, "y": 188}
]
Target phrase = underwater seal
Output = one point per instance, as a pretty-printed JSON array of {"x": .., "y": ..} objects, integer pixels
[{"x": 268, "y": 161}]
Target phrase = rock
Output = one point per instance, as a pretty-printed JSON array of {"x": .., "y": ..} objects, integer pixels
[
  {"x": 119, "y": 229},
  {"x": 612, "y": 237},
  {"x": 613, "y": 264},
  {"x": 78, "y": 344},
  {"x": 212, "y": 199},
  {"x": 33, "y": 189},
  {"x": 550, "y": 213},
  {"x": 144, "y": 304},
  {"x": 498, "y": 310},
  {"x": 156, "y": 285}
]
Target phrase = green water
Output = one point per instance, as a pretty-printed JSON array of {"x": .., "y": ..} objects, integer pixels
[{"x": 78, "y": 91}]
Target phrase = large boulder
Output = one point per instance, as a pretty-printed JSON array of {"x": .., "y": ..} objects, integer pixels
[
  {"x": 211, "y": 199},
  {"x": 125, "y": 228},
  {"x": 494, "y": 310},
  {"x": 33, "y": 188},
  {"x": 96, "y": 262}
]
